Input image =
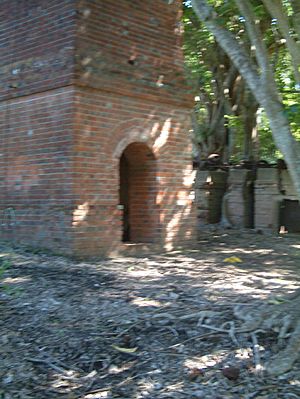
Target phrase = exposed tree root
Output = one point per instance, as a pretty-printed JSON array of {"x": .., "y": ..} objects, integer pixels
[
  {"x": 284, "y": 318},
  {"x": 285, "y": 359}
]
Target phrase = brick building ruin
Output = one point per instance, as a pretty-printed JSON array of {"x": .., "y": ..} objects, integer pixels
[
  {"x": 94, "y": 118},
  {"x": 264, "y": 199}
]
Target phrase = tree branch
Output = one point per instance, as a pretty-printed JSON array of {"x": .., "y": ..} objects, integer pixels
[
  {"x": 255, "y": 36},
  {"x": 296, "y": 17},
  {"x": 230, "y": 45},
  {"x": 267, "y": 95},
  {"x": 276, "y": 10}
]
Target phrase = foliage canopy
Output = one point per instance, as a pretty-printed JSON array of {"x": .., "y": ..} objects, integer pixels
[{"x": 228, "y": 119}]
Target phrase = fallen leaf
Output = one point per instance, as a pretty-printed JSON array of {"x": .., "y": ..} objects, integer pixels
[
  {"x": 233, "y": 259},
  {"x": 277, "y": 301},
  {"x": 124, "y": 350}
]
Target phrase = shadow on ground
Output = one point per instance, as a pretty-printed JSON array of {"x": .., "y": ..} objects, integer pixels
[{"x": 159, "y": 326}]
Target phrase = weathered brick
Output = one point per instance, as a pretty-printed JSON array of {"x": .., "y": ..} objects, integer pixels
[{"x": 82, "y": 83}]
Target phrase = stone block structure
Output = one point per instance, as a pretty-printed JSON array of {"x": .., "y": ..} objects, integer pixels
[
  {"x": 238, "y": 205},
  {"x": 273, "y": 190},
  {"x": 210, "y": 188},
  {"x": 240, "y": 198},
  {"x": 264, "y": 199},
  {"x": 94, "y": 120}
]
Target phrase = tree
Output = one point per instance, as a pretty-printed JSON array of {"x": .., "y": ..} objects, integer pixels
[
  {"x": 258, "y": 72},
  {"x": 225, "y": 113},
  {"x": 255, "y": 65}
]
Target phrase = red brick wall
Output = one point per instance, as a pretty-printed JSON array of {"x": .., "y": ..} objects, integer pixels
[
  {"x": 81, "y": 81},
  {"x": 106, "y": 124},
  {"x": 132, "y": 47},
  {"x": 37, "y": 39},
  {"x": 36, "y": 114},
  {"x": 36, "y": 167}
]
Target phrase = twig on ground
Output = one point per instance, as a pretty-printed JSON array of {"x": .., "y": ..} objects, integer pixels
[
  {"x": 130, "y": 378},
  {"x": 129, "y": 328},
  {"x": 57, "y": 361},
  {"x": 65, "y": 374},
  {"x": 191, "y": 339},
  {"x": 47, "y": 363},
  {"x": 231, "y": 332},
  {"x": 258, "y": 366},
  {"x": 217, "y": 329}
]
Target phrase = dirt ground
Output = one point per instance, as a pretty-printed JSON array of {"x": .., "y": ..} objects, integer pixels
[{"x": 157, "y": 326}]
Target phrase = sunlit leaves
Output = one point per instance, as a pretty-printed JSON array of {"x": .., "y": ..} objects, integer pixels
[{"x": 202, "y": 55}]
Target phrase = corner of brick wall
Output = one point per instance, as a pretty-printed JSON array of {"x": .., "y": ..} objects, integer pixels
[{"x": 71, "y": 103}]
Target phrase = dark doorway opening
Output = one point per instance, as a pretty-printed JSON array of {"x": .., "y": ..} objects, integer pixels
[
  {"x": 289, "y": 216},
  {"x": 124, "y": 197},
  {"x": 249, "y": 194},
  {"x": 138, "y": 193}
]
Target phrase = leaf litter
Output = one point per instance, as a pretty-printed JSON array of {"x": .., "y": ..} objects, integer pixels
[{"x": 157, "y": 326}]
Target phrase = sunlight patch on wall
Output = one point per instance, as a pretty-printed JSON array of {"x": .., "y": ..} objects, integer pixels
[
  {"x": 154, "y": 129},
  {"x": 80, "y": 214},
  {"x": 164, "y": 135},
  {"x": 174, "y": 226},
  {"x": 189, "y": 176}
]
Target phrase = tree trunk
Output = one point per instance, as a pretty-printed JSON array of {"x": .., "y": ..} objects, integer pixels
[
  {"x": 283, "y": 138},
  {"x": 250, "y": 126}
]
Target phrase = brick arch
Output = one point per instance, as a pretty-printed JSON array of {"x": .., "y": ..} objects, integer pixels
[{"x": 133, "y": 131}]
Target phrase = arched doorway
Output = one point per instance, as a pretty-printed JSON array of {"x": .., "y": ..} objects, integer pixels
[{"x": 138, "y": 193}]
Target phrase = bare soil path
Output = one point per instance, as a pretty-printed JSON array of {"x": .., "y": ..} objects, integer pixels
[{"x": 157, "y": 326}]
